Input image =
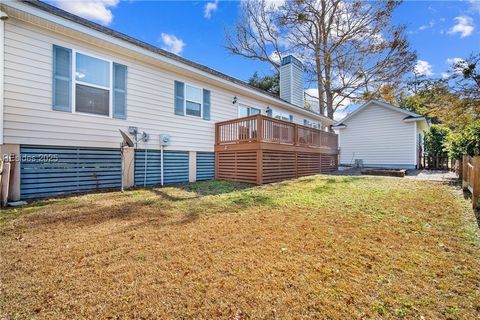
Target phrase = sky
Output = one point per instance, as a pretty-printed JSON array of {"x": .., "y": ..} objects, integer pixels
[{"x": 441, "y": 32}]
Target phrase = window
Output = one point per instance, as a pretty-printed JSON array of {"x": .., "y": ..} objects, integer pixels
[
  {"x": 193, "y": 101},
  {"x": 92, "y": 85},
  {"x": 282, "y": 116},
  {"x": 245, "y": 111},
  {"x": 86, "y": 84},
  {"x": 316, "y": 125}
]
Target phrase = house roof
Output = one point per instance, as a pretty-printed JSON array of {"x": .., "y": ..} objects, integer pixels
[
  {"x": 121, "y": 36},
  {"x": 409, "y": 116}
]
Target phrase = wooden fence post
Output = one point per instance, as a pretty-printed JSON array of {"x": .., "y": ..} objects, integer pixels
[
  {"x": 464, "y": 171},
  {"x": 475, "y": 181}
]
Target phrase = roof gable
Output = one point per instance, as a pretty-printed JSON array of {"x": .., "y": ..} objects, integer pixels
[{"x": 408, "y": 115}]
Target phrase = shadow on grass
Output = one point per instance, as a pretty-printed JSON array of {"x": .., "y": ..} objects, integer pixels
[
  {"x": 179, "y": 204},
  {"x": 200, "y": 189}
]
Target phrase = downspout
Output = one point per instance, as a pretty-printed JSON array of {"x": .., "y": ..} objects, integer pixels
[
  {"x": 146, "y": 163},
  {"x": 3, "y": 18}
]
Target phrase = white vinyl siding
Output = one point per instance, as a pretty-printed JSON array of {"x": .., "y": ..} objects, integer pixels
[
  {"x": 29, "y": 118},
  {"x": 378, "y": 136}
]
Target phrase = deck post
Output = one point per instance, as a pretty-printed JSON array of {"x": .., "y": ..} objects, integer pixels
[
  {"x": 259, "y": 167},
  {"x": 295, "y": 134},
  {"x": 259, "y": 128},
  {"x": 464, "y": 171}
]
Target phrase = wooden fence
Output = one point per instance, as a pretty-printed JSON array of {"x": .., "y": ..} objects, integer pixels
[
  {"x": 436, "y": 162},
  {"x": 471, "y": 177}
]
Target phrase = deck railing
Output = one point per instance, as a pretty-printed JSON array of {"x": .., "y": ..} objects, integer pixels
[{"x": 260, "y": 128}]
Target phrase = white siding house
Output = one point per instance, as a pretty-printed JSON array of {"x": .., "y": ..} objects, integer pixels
[
  {"x": 381, "y": 135},
  {"x": 69, "y": 85}
]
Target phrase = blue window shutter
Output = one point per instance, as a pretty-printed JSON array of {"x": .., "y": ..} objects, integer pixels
[
  {"x": 62, "y": 79},
  {"x": 119, "y": 91},
  {"x": 206, "y": 104},
  {"x": 179, "y": 98},
  {"x": 290, "y": 118},
  {"x": 305, "y": 122}
]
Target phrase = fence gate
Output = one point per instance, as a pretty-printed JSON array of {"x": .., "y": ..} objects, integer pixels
[
  {"x": 175, "y": 167},
  {"x": 53, "y": 171}
]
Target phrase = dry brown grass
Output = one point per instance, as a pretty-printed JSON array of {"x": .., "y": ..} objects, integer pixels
[{"x": 323, "y": 247}]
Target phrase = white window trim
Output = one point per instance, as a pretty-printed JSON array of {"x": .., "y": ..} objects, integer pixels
[
  {"x": 275, "y": 112},
  {"x": 314, "y": 124},
  {"x": 249, "y": 108},
  {"x": 185, "y": 100},
  {"x": 75, "y": 81},
  {"x": 256, "y": 108}
]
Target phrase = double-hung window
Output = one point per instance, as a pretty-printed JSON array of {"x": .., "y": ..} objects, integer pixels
[
  {"x": 308, "y": 123},
  {"x": 282, "y": 116},
  {"x": 86, "y": 84},
  {"x": 245, "y": 111},
  {"x": 193, "y": 101},
  {"x": 92, "y": 85}
]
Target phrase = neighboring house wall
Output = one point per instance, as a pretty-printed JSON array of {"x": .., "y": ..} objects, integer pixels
[
  {"x": 29, "y": 118},
  {"x": 379, "y": 137}
]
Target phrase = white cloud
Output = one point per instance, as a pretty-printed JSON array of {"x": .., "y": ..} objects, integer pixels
[
  {"x": 275, "y": 56},
  {"x": 342, "y": 111},
  {"x": 475, "y": 5},
  {"x": 457, "y": 65},
  {"x": 464, "y": 26},
  {"x": 210, "y": 7},
  {"x": 172, "y": 43},
  {"x": 453, "y": 61},
  {"x": 423, "y": 68},
  {"x": 430, "y": 25},
  {"x": 96, "y": 10}
]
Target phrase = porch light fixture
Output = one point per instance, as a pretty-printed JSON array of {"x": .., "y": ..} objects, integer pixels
[
  {"x": 234, "y": 101},
  {"x": 268, "y": 111}
]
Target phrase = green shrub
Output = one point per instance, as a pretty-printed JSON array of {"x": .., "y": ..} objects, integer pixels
[
  {"x": 466, "y": 140},
  {"x": 435, "y": 139}
]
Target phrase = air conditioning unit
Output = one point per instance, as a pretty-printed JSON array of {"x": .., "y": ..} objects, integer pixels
[
  {"x": 165, "y": 140},
  {"x": 358, "y": 163}
]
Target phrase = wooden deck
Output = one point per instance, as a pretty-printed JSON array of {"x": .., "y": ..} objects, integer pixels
[{"x": 260, "y": 149}]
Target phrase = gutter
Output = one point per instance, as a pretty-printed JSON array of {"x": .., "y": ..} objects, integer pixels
[{"x": 3, "y": 17}]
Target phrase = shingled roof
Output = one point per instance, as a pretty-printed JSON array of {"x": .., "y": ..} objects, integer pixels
[{"x": 97, "y": 27}]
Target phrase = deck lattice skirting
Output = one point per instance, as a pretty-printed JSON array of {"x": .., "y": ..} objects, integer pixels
[{"x": 260, "y": 149}]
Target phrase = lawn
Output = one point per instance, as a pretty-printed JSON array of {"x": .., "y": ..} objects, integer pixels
[{"x": 319, "y": 247}]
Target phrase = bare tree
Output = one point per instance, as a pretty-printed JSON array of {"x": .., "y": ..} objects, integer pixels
[{"x": 348, "y": 47}]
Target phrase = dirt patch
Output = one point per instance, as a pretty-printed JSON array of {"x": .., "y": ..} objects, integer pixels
[{"x": 320, "y": 247}]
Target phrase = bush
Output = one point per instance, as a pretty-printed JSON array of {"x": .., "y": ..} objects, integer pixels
[
  {"x": 435, "y": 139},
  {"x": 463, "y": 141}
]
